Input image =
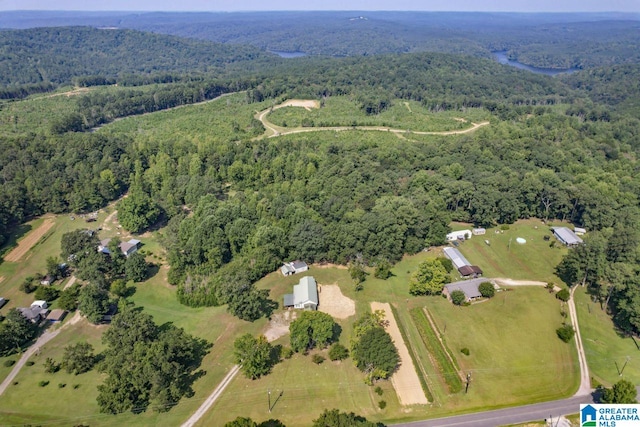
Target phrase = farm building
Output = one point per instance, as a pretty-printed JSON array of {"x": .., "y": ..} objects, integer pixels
[
  {"x": 304, "y": 296},
  {"x": 294, "y": 267},
  {"x": 468, "y": 287},
  {"x": 470, "y": 271},
  {"x": 459, "y": 235},
  {"x": 479, "y": 231},
  {"x": 566, "y": 236},
  {"x": 579, "y": 231},
  {"x": 456, "y": 257}
]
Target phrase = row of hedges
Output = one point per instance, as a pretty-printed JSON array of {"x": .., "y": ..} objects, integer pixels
[
  {"x": 423, "y": 381},
  {"x": 435, "y": 347}
]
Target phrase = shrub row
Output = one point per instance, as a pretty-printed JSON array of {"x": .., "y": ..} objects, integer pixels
[
  {"x": 405, "y": 338},
  {"x": 437, "y": 350}
]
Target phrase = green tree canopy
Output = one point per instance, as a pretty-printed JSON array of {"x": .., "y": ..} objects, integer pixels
[
  {"x": 429, "y": 279},
  {"x": 374, "y": 352},
  {"x": 93, "y": 302},
  {"x": 458, "y": 297},
  {"x": 78, "y": 358},
  {"x": 487, "y": 289},
  {"x": 136, "y": 267},
  {"x": 622, "y": 392},
  {"x": 335, "y": 418},
  {"x": 254, "y": 355},
  {"x": 311, "y": 329}
]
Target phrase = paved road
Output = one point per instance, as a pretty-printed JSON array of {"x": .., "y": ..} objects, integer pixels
[{"x": 517, "y": 415}]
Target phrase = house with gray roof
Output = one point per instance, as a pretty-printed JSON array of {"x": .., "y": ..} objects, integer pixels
[
  {"x": 566, "y": 236},
  {"x": 304, "y": 296},
  {"x": 468, "y": 287},
  {"x": 293, "y": 267}
]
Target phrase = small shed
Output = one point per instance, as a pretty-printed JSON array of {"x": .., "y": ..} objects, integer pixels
[
  {"x": 293, "y": 267},
  {"x": 56, "y": 315},
  {"x": 479, "y": 231},
  {"x": 579, "y": 231},
  {"x": 470, "y": 271},
  {"x": 47, "y": 280}
]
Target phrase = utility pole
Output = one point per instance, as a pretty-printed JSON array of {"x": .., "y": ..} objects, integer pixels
[
  {"x": 625, "y": 365},
  {"x": 466, "y": 390},
  {"x": 269, "y": 397}
]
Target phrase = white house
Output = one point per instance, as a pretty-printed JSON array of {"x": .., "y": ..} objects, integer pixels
[
  {"x": 459, "y": 235},
  {"x": 294, "y": 267},
  {"x": 304, "y": 296}
]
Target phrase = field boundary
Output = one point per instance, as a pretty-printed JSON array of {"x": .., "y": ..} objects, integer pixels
[
  {"x": 412, "y": 353},
  {"x": 405, "y": 379},
  {"x": 29, "y": 241},
  {"x": 437, "y": 350}
]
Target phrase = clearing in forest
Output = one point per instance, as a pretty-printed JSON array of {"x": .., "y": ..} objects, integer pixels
[
  {"x": 405, "y": 380},
  {"x": 27, "y": 243}
]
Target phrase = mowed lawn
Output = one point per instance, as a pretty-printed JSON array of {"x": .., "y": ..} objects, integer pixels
[
  {"x": 34, "y": 261},
  {"x": 603, "y": 345},
  {"x": 515, "y": 355},
  {"x": 504, "y": 257}
]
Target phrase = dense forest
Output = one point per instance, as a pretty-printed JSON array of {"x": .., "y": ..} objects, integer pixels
[
  {"x": 545, "y": 40},
  {"x": 236, "y": 206}
]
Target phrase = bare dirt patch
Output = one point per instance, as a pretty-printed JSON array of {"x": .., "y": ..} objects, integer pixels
[
  {"x": 329, "y": 265},
  {"x": 307, "y": 104},
  {"x": 334, "y": 303},
  {"x": 405, "y": 380},
  {"x": 31, "y": 239},
  {"x": 279, "y": 325}
]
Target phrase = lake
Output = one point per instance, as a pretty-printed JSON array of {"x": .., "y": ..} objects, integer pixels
[
  {"x": 502, "y": 58},
  {"x": 286, "y": 54}
]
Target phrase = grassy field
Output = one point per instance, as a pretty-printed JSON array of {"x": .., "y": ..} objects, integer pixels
[
  {"x": 503, "y": 257},
  {"x": 14, "y": 273},
  {"x": 603, "y": 346},
  {"x": 343, "y": 111},
  {"x": 506, "y": 371}
]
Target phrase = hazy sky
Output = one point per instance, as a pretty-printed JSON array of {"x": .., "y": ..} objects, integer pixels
[{"x": 248, "y": 5}]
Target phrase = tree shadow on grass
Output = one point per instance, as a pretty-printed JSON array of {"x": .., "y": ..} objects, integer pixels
[{"x": 19, "y": 232}]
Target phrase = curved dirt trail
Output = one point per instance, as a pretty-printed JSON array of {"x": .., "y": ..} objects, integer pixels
[{"x": 278, "y": 131}]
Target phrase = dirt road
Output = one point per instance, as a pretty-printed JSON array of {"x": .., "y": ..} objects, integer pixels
[
  {"x": 405, "y": 380},
  {"x": 585, "y": 382},
  {"x": 274, "y": 131},
  {"x": 41, "y": 341},
  {"x": 31, "y": 239}
]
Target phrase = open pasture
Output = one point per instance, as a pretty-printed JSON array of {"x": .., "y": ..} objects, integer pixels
[
  {"x": 344, "y": 111},
  {"x": 504, "y": 257}
]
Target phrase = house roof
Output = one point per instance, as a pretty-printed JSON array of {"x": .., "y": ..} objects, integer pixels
[
  {"x": 466, "y": 270},
  {"x": 286, "y": 268},
  {"x": 299, "y": 264},
  {"x": 305, "y": 291},
  {"x": 56, "y": 315},
  {"x": 125, "y": 247},
  {"x": 39, "y": 303},
  {"x": 567, "y": 236},
  {"x": 456, "y": 257},
  {"x": 288, "y": 300},
  {"x": 470, "y": 288},
  {"x": 134, "y": 242},
  {"x": 32, "y": 312}
]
